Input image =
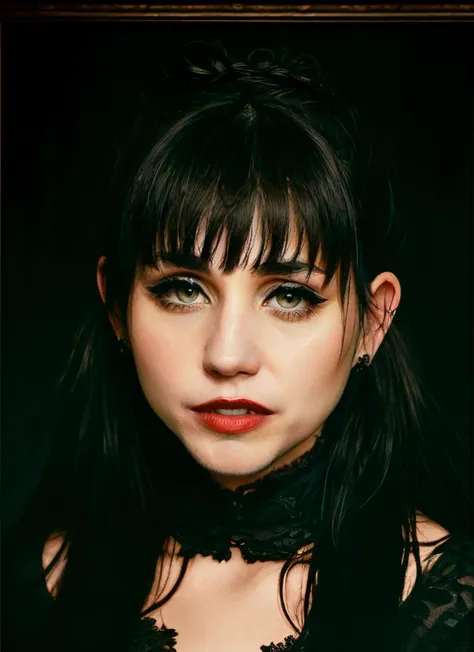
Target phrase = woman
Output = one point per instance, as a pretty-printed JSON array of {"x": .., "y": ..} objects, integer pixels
[{"x": 239, "y": 433}]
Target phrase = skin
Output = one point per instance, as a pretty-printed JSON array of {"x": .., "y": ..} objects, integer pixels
[
  {"x": 235, "y": 344},
  {"x": 230, "y": 341}
]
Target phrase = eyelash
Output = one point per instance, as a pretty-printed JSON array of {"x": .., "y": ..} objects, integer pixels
[{"x": 167, "y": 285}]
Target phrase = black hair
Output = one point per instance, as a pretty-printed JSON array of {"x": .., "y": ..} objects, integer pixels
[{"x": 223, "y": 138}]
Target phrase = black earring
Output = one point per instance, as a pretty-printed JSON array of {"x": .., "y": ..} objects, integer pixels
[
  {"x": 122, "y": 346},
  {"x": 364, "y": 363}
]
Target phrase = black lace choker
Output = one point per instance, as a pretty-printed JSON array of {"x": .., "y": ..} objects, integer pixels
[{"x": 268, "y": 519}]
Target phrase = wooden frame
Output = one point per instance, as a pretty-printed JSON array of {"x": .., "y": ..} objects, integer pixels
[{"x": 241, "y": 12}]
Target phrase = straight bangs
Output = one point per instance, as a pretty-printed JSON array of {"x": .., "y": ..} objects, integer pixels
[{"x": 221, "y": 170}]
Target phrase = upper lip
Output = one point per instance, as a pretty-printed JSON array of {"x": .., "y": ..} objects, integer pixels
[{"x": 232, "y": 403}]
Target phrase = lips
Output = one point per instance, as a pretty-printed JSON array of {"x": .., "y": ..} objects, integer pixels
[
  {"x": 232, "y": 404},
  {"x": 231, "y": 424}
]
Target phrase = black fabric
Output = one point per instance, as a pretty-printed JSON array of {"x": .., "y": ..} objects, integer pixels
[
  {"x": 267, "y": 519},
  {"x": 437, "y": 616},
  {"x": 461, "y": 638},
  {"x": 438, "y": 613}
]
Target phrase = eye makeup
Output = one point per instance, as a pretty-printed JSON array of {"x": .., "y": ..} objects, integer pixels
[
  {"x": 311, "y": 299},
  {"x": 176, "y": 293}
]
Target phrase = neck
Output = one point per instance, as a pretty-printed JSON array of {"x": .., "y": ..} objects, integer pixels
[
  {"x": 233, "y": 481},
  {"x": 268, "y": 518}
]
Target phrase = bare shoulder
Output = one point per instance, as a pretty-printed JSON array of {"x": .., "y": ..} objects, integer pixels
[
  {"x": 430, "y": 534},
  {"x": 51, "y": 548},
  {"x": 428, "y": 530}
]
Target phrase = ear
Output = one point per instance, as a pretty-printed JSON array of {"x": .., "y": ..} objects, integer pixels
[
  {"x": 102, "y": 285},
  {"x": 385, "y": 295}
]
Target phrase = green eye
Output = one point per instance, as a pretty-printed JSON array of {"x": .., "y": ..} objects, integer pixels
[
  {"x": 187, "y": 295},
  {"x": 288, "y": 297},
  {"x": 297, "y": 292},
  {"x": 294, "y": 295}
]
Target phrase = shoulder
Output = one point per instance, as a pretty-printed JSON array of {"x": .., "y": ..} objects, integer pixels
[
  {"x": 440, "y": 600},
  {"x": 439, "y": 547},
  {"x": 429, "y": 534},
  {"x": 440, "y": 553},
  {"x": 54, "y": 560}
]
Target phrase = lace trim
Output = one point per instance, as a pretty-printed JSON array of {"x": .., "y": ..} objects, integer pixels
[
  {"x": 266, "y": 519},
  {"x": 252, "y": 549},
  {"x": 301, "y": 463},
  {"x": 286, "y": 645},
  {"x": 151, "y": 638},
  {"x": 441, "y": 598}
]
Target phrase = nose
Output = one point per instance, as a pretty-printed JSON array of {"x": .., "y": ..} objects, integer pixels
[{"x": 232, "y": 345}]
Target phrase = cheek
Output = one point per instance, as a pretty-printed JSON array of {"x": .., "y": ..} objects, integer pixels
[
  {"x": 318, "y": 365},
  {"x": 159, "y": 355}
]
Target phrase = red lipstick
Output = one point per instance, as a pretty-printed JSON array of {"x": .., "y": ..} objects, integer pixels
[{"x": 232, "y": 423}]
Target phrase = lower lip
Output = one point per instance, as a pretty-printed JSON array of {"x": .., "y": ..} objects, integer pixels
[{"x": 231, "y": 424}]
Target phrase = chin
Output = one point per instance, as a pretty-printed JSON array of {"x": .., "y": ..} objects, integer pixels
[{"x": 234, "y": 456}]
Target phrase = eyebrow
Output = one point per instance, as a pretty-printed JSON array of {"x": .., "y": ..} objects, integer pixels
[{"x": 191, "y": 261}]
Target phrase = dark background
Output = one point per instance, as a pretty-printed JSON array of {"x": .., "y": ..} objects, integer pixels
[{"x": 70, "y": 89}]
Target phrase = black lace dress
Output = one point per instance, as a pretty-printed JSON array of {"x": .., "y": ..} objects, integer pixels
[{"x": 437, "y": 616}]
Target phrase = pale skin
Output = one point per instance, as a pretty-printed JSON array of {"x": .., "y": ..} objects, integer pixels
[
  {"x": 233, "y": 343},
  {"x": 230, "y": 342}
]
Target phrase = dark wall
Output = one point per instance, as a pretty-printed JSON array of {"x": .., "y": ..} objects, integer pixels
[{"x": 70, "y": 89}]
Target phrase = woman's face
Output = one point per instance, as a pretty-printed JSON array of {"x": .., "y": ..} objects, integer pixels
[{"x": 240, "y": 335}]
